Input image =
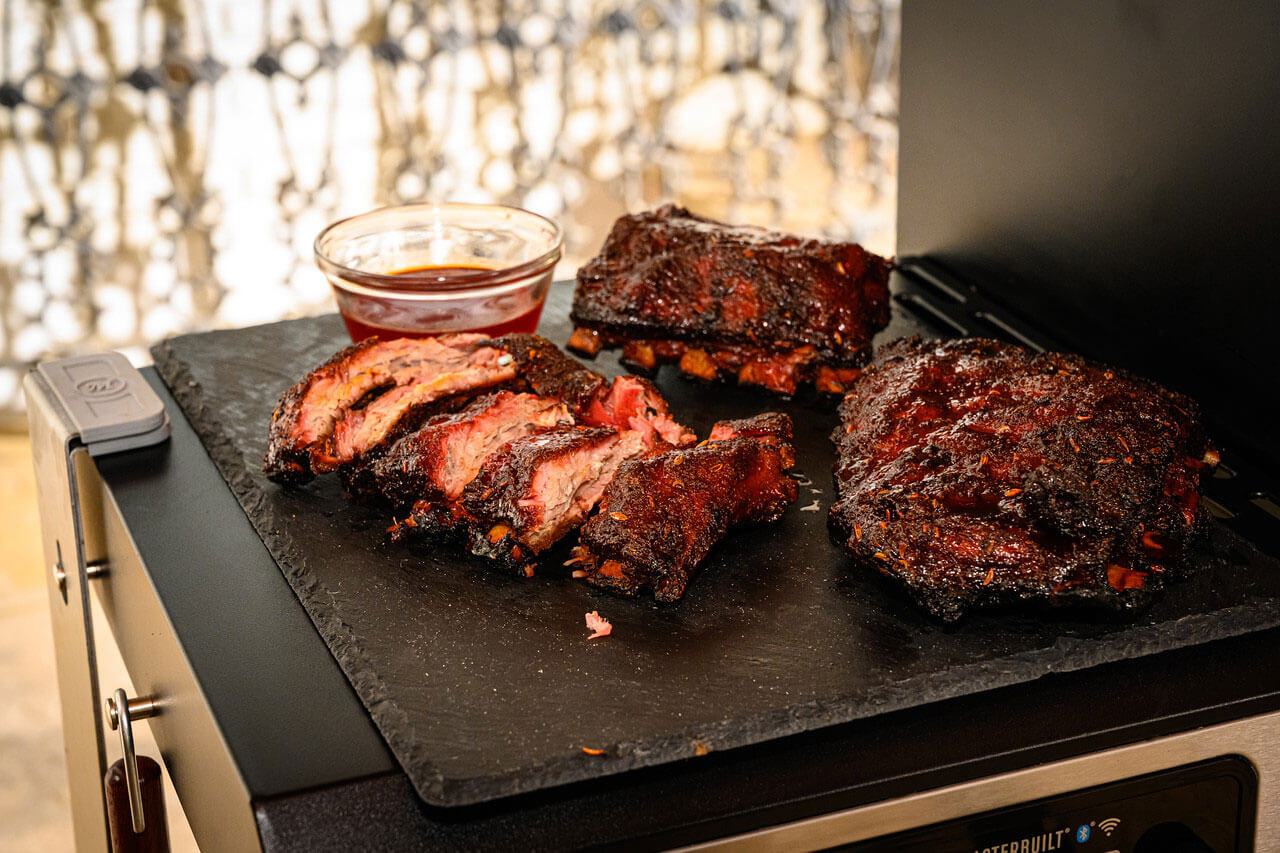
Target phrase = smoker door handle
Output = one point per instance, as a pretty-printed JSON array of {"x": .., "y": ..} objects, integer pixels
[
  {"x": 124, "y": 839},
  {"x": 121, "y": 712}
]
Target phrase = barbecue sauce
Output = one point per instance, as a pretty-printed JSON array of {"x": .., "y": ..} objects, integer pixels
[{"x": 365, "y": 306}]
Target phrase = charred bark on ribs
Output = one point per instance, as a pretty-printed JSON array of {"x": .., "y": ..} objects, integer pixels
[
  {"x": 356, "y": 399},
  {"x": 546, "y": 371},
  {"x": 437, "y": 461},
  {"x": 978, "y": 473},
  {"x": 731, "y": 301},
  {"x": 351, "y": 409},
  {"x": 539, "y": 488},
  {"x": 662, "y": 513}
]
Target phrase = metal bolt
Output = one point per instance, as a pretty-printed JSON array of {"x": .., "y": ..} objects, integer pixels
[{"x": 60, "y": 575}]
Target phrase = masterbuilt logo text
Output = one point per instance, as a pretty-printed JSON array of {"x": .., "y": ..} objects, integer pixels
[{"x": 1041, "y": 843}]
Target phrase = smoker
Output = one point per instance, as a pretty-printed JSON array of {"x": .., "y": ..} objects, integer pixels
[{"x": 1097, "y": 177}]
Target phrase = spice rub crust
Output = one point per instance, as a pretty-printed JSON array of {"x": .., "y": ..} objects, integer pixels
[{"x": 977, "y": 473}]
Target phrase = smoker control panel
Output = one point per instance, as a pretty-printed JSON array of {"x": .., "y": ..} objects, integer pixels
[{"x": 1207, "y": 807}]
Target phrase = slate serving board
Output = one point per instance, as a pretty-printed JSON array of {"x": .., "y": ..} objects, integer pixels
[{"x": 486, "y": 686}]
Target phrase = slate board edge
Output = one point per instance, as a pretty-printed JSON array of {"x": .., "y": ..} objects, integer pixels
[{"x": 437, "y": 790}]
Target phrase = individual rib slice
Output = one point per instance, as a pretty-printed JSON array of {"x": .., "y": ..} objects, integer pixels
[
  {"x": 545, "y": 370},
  {"x": 767, "y": 308},
  {"x": 540, "y": 487},
  {"x": 625, "y": 403},
  {"x": 662, "y": 513},
  {"x": 319, "y": 423},
  {"x": 434, "y": 463},
  {"x": 634, "y": 403},
  {"x": 358, "y": 477},
  {"x": 360, "y": 430},
  {"x": 978, "y": 473}
]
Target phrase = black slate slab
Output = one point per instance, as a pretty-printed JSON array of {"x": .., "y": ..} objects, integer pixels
[{"x": 485, "y": 686}]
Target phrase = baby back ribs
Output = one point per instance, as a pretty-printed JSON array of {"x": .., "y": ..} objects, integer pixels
[
  {"x": 347, "y": 412},
  {"x": 626, "y": 402},
  {"x": 540, "y": 487},
  {"x": 320, "y": 422},
  {"x": 435, "y": 462},
  {"x": 663, "y": 512},
  {"x": 767, "y": 308},
  {"x": 977, "y": 473}
]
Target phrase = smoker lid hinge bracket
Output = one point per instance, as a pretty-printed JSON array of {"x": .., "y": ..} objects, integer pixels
[{"x": 108, "y": 402}]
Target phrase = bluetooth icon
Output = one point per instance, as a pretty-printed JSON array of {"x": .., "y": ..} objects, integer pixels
[{"x": 1082, "y": 834}]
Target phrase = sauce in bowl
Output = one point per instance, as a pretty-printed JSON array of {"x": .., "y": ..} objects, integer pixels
[{"x": 494, "y": 268}]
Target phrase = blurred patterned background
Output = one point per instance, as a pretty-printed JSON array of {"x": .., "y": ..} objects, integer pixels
[{"x": 165, "y": 165}]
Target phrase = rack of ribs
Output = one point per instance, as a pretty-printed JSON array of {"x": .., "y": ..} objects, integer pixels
[
  {"x": 360, "y": 395},
  {"x": 731, "y": 301},
  {"x": 350, "y": 410},
  {"x": 977, "y": 473},
  {"x": 530, "y": 458},
  {"x": 736, "y": 477}
]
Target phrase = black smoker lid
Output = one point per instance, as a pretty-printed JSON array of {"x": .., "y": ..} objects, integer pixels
[{"x": 1108, "y": 169}]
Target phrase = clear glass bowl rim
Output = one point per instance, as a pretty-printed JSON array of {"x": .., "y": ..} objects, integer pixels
[{"x": 386, "y": 284}]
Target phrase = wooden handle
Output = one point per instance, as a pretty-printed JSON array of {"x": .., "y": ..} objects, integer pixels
[{"x": 153, "y": 839}]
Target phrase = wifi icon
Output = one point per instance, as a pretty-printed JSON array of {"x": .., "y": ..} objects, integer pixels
[{"x": 1109, "y": 825}]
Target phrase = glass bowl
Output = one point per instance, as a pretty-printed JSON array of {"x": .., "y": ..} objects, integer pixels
[{"x": 425, "y": 269}]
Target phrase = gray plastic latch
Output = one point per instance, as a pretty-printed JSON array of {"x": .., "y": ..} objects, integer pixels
[{"x": 111, "y": 406}]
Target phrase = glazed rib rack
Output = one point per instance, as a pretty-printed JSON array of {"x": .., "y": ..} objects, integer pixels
[
  {"x": 722, "y": 301},
  {"x": 515, "y": 469},
  {"x": 977, "y": 472}
]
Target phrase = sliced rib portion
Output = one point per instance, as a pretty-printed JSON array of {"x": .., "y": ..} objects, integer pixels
[
  {"x": 347, "y": 412},
  {"x": 634, "y": 403},
  {"x": 434, "y": 463},
  {"x": 767, "y": 308},
  {"x": 772, "y": 428},
  {"x": 627, "y": 402},
  {"x": 662, "y": 513},
  {"x": 321, "y": 423},
  {"x": 978, "y": 473},
  {"x": 546, "y": 371},
  {"x": 540, "y": 487}
]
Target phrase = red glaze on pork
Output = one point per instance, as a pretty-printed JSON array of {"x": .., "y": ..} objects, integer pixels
[
  {"x": 313, "y": 429},
  {"x": 436, "y": 462},
  {"x": 978, "y": 473},
  {"x": 663, "y": 512}
]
